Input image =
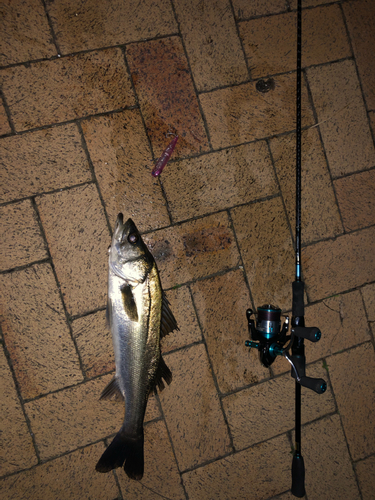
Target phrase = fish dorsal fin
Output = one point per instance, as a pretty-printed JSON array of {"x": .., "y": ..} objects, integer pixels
[
  {"x": 112, "y": 390},
  {"x": 129, "y": 303},
  {"x": 168, "y": 322},
  {"x": 162, "y": 372}
]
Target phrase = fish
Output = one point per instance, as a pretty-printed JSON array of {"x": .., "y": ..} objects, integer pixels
[
  {"x": 138, "y": 315},
  {"x": 163, "y": 160}
]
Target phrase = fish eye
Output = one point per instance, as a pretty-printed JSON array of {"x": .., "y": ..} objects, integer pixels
[{"x": 133, "y": 238}]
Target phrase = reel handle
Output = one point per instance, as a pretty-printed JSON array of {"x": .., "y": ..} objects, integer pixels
[
  {"x": 316, "y": 384},
  {"x": 310, "y": 333}
]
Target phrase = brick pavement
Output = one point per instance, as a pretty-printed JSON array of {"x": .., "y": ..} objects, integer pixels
[{"x": 89, "y": 92}]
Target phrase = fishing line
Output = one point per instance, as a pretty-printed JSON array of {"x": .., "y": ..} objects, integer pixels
[
  {"x": 267, "y": 334},
  {"x": 332, "y": 116}
]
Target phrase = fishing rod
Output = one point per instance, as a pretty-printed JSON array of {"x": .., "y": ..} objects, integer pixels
[{"x": 266, "y": 332}]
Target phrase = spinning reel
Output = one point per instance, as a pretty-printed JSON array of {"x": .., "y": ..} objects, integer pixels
[{"x": 269, "y": 337}]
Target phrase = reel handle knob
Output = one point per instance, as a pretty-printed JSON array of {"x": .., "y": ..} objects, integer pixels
[
  {"x": 310, "y": 333},
  {"x": 316, "y": 384}
]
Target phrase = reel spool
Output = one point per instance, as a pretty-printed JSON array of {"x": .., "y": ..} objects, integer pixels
[{"x": 269, "y": 321}]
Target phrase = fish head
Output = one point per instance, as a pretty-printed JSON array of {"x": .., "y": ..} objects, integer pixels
[{"x": 129, "y": 257}]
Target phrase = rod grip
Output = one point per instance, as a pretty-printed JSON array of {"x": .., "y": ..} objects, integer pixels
[
  {"x": 298, "y": 476},
  {"x": 316, "y": 384},
  {"x": 311, "y": 333}
]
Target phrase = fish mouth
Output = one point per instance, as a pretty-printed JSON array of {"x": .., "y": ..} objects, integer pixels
[
  {"x": 129, "y": 227},
  {"x": 124, "y": 229}
]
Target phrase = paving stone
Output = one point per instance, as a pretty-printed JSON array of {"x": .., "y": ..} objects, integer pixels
[
  {"x": 42, "y": 161},
  {"x": 265, "y": 410},
  {"x": 324, "y": 39},
  {"x": 320, "y": 216},
  {"x": 342, "y": 321},
  {"x": 266, "y": 247},
  {"x": 183, "y": 310},
  {"x": 74, "y": 417},
  {"x": 366, "y": 472},
  {"x": 4, "y": 123},
  {"x": 161, "y": 477},
  {"x": 212, "y": 44},
  {"x": 25, "y": 32},
  {"x": 352, "y": 375},
  {"x": 166, "y": 94},
  {"x": 253, "y": 474},
  {"x": 192, "y": 409},
  {"x": 355, "y": 196},
  {"x": 194, "y": 249},
  {"x": 121, "y": 155},
  {"x": 94, "y": 342},
  {"x": 338, "y": 265},
  {"x": 243, "y": 9},
  {"x": 92, "y": 25},
  {"x": 35, "y": 331},
  {"x": 221, "y": 304},
  {"x": 66, "y": 88},
  {"x": 360, "y": 19},
  {"x": 342, "y": 117},
  {"x": 78, "y": 239},
  {"x": 21, "y": 241},
  {"x": 72, "y": 476},
  {"x": 329, "y": 472},
  {"x": 219, "y": 180},
  {"x": 240, "y": 114},
  {"x": 17, "y": 450},
  {"x": 368, "y": 294}
]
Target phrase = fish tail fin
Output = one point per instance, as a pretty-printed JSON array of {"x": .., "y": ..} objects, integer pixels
[{"x": 124, "y": 448}]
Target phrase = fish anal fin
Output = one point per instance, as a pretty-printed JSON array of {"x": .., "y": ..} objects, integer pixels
[
  {"x": 168, "y": 322},
  {"x": 112, "y": 390},
  {"x": 129, "y": 303},
  {"x": 162, "y": 373}
]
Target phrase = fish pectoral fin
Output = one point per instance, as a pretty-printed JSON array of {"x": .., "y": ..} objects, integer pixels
[
  {"x": 168, "y": 322},
  {"x": 129, "y": 303},
  {"x": 112, "y": 390},
  {"x": 162, "y": 372}
]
